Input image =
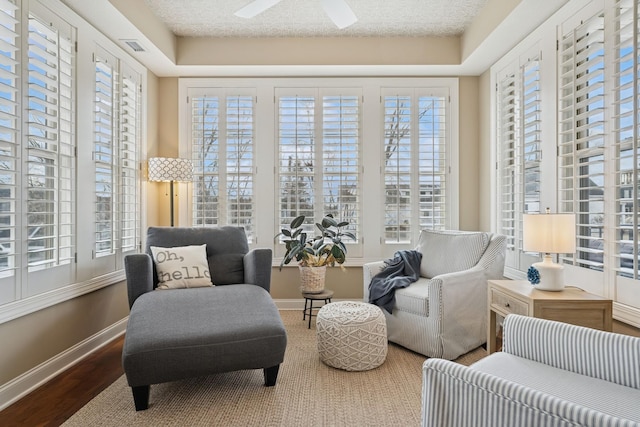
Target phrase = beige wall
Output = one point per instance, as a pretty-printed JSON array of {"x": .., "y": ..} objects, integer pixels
[
  {"x": 35, "y": 338},
  {"x": 486, "y": 166},
  {"x": 326, "y": 51},
  {"x": 468, "y": 155},
  {"x": 164, "y": 144}
]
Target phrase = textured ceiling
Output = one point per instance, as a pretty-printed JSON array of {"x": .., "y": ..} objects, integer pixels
[{"x": 306, "y": 18}]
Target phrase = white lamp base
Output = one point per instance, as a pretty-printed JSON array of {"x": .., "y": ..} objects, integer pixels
[{"x": 551, "y": 275}]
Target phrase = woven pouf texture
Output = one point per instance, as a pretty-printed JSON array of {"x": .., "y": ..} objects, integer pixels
[{"x": 352, "y": 335}]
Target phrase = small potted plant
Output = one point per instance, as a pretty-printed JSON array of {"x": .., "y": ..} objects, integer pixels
[{"x": 315, "y": 254}]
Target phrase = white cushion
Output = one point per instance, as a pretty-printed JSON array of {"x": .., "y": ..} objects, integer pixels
[
  {"x": 449, "y": 251},
  {"x": 181, "y": 267},
  {"x": 414, "y": 299},
  {"x": 603, "y": 396}
]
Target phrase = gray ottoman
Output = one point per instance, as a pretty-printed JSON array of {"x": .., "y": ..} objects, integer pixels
[
  {"x": 183, "y": 333},
  {"x": 351, "y": 335}
]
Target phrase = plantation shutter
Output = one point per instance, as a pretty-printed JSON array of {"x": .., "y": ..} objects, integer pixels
[
  {"x": 581, "y": 137},
  {"x": 341, "y": 158},
  {"x": 9, "y": 143},
  {"x": 205, "y": 119},
  {"x": 130, "y": 140},
  {"x": 51, "y": 145},
  {"x": 240, "y": 161},
  {"x": 104, "y": 152},
  {"x": 508, "y": 160},
  {"x": 531, "y": 137},
  {"x": 519, "y": 153},
  {"x": 223, "y": 145},
  {"x": 296, "y": 158},
  {"x": 432, "y": 158},
  {"x": 416, "y": 164},
  {"x": 397, "y": 170}
]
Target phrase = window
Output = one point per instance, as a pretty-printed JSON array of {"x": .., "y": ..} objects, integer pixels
[
  {"x": 115, "y": 155},
  {"x": 626, "y": 104},
  {"x": 268, "y": 150},
  {"x": 520, "y": 153},
  {"x": 591, "y": 97},
  {"x": 415, "y": 163},
  {"x": 9, "y": 142},
  {"x": 57, "y": 113},
  {"x": 222, "y": 150},
  {"x": 582, "y": 137},
  {"x": 105, "y": 157},
  {"x": 51, "y": 146},
  {"x": 318, "y": 160}
]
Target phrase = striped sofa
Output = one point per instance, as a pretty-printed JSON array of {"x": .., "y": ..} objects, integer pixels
[
  {"x": 548, "y": 374},
  {"x": 444, "y": 313}
]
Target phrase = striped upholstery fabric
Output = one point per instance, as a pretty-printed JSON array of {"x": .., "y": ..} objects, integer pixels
[
  {"x": 456, "y": 395},
  {"x": 598, "y": 354},
  {"x": 448, "y": 251},
  {"x": 444, "y": 316}
]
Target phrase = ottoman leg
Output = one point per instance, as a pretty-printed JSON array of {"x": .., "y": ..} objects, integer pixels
[
  {"x": 270, "y": 375},
  {"x": 141, "y": 397}
]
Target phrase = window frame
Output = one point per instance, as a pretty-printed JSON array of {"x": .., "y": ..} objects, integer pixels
[
  {"x": 266, "y": 151},
  {"x": 82, "y": 274}
]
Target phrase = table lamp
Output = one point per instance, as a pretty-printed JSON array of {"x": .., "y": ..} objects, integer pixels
[
  {"x": 550, "y": 234},
  {"x": 167, "y": 169}
]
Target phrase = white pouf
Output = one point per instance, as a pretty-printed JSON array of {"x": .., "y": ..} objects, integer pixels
[{"x": 352, "y": 335}]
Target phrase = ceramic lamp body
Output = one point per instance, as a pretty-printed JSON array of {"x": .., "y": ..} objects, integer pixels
[{"x": 551, "y": 275}]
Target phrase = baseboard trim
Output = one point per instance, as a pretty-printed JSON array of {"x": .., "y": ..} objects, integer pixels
[
  {"x": 626, "y": 314},
  {"x": 22, "y": 385}
]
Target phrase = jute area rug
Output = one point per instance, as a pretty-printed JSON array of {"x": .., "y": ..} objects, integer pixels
[{"x": 307, "y": 393}]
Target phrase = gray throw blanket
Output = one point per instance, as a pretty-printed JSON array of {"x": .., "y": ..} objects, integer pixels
[{"x": 399, "y": 272}]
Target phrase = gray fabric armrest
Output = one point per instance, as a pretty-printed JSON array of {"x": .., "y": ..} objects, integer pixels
[
  {"x": 257, "y": 268},
  {"x": 139, "y": 271}
]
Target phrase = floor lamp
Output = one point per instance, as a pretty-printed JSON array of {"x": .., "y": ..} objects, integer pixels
[{"x": 168, "y": 169}]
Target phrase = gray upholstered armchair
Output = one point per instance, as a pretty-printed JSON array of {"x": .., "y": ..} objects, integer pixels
[
  {"x": 180, "y": 333},
  {"x": 444, "y": 313}
]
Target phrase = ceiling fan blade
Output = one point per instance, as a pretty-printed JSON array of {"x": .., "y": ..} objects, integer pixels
[
  {"x": 256, "y": 7},
  {"x": 339, "y": 12}
]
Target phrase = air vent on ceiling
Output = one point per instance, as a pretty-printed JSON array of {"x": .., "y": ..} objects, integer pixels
[{"x": 134, "y": 45}]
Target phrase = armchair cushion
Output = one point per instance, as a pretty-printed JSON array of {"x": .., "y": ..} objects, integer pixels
[
  {"x": 227, "y": 269},
  {"x": 448, "y": 251},
  {"x": 181, "y": 267}
]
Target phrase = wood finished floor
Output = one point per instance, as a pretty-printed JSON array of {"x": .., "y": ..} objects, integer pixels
[{"x": 54, "y": 402}]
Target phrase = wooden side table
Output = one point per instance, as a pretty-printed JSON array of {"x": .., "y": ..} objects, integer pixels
[
  {"x": 309, "y": 298},
  {"x": 571, "y": 305}
]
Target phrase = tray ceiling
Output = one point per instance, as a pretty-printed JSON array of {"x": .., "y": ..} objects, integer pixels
[{"x": 306, "y": 18}]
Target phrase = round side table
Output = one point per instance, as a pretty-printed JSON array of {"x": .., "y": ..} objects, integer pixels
[{"x": 325, "y": 296}]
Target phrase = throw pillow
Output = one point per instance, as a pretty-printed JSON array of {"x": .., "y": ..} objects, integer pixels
[
  {"x": 448, "y": 251},
  {"x": 181, "y": 267}
]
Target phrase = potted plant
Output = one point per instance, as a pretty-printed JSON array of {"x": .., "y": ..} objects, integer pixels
[{"x": 315, "y": 254}]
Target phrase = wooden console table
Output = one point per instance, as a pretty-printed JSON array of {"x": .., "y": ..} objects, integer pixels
[{"x": 571, "y": 305}]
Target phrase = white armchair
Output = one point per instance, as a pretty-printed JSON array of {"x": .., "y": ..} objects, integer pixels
[
  {"x": 444, "y": 313},
  {"x": 548, "y": 374}
]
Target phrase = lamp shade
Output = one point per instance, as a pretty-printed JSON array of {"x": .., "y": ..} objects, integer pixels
[
  {"x": 549, "y": 233},
  {"x": 169, "y": 169}
]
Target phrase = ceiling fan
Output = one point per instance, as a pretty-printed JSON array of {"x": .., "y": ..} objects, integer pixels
[{"x": 338, "y": 10}]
